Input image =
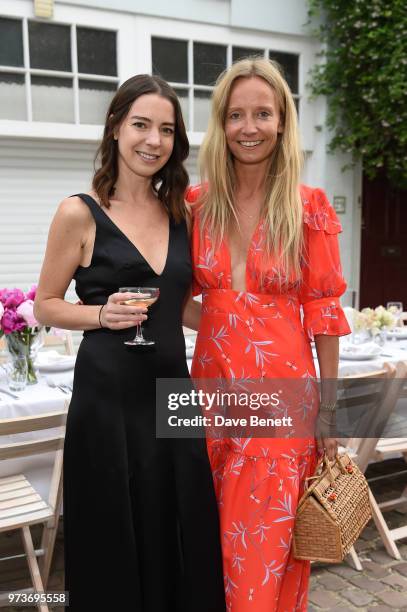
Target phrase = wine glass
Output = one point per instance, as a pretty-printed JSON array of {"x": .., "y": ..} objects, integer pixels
[
  {"x": 143, "y": 297},
  {"x": 397, "y": 309}
]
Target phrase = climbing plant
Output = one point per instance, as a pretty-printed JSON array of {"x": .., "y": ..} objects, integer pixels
[{"x": 363, "y": 73}]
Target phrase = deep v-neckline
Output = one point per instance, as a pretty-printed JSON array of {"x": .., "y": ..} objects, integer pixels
[
  {"x": 228, "y": 253},
  {"x": 120, "y": 231}
]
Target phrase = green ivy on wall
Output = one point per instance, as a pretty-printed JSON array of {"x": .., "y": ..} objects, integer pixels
[{"x": 364, "y": 76}]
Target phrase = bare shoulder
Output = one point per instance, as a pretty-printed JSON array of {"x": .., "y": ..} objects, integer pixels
[{"x": 73, "y": 212}]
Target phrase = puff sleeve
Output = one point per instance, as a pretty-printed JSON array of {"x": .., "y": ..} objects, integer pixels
[
  {"x": 322, "y": 279},
  {"x": 191, "y": 196}
]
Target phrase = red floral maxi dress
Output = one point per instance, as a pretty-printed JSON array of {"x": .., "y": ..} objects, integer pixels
[{"x": 254, "y": 334}]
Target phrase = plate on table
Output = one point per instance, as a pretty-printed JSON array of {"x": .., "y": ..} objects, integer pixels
[
  {"x": 351, "y": 357},
  {"x": 399, "y": 333},
  {"x": 52, "y": 361},
  {"x": 359, "y": 352}
]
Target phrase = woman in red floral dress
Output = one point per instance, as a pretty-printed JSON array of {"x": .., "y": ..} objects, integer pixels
[{"x": 265, "y": 250}]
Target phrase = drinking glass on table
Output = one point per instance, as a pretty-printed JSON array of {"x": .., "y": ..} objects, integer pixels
[
  {"x": 397, "y": 310},
  {"x": 143, "y": 297},
  {"x": 17, "y": 372}
]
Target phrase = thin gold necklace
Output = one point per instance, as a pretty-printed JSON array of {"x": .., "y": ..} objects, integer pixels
[{"x": 244, "y": 212}]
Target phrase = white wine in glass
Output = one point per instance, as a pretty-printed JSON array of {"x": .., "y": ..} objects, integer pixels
[{"x": 143, "y": 297}]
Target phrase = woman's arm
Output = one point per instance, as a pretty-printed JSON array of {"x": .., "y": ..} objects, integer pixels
[
  {"x": 69, "y": 231},
  {"x": 191, "y": 316},
  {"x": 328, "y": 360}
]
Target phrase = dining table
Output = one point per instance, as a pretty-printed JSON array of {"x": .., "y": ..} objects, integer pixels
[{"x": 46, "y": 396}]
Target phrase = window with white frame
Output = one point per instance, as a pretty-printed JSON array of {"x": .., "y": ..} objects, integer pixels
[
  {"x": 55, "y": 72},
  {"x": 192, "y": 68}
]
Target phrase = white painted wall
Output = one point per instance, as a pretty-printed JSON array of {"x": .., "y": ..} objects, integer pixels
[
  {"x": 284, "y": 16},
  {"x": 205, "y": 11}
]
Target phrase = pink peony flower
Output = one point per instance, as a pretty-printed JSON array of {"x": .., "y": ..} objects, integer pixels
[
  {"x": 30, "y": 295},
  {"x": 1, "y": 312},
  {"x": 12, "y": 322},
  {"x": 26, "y": 311},
  {"x": 11, "y": 298}
]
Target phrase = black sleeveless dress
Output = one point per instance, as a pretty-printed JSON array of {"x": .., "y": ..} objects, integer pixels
[{"x": 140, "y": 518}]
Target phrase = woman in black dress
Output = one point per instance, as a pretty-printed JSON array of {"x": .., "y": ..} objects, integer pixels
[{"x": 140, "y": 517}]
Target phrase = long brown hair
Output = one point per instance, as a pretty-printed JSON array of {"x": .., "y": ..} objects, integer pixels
[{"x": 171, "y": 181}]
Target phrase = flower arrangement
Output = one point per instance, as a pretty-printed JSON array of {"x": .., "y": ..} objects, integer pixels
[
  {"x": 374, "y": 320},
  {"x": 19, "y": 326}
]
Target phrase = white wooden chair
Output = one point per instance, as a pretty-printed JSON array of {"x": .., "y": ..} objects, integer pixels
[
  {"x": 63, "y": 339},
  {"x": 21, "y": 505},
  {"x": 365, "y": 450},
  {"x": 385, "y": 448}
]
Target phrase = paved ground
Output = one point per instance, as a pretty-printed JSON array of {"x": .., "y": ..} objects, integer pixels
[{"x": 380, "y": 587}]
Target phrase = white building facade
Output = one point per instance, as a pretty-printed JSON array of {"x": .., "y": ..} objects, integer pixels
[{"x": 58, "y": 73}]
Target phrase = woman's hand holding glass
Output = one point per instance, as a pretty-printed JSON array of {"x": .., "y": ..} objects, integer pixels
[
  {"x": 145, "y": 297},
  {"x": 116, "y": 315}
]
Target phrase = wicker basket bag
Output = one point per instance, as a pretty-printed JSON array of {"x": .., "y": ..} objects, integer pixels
[{"x": 332, "y": 512}]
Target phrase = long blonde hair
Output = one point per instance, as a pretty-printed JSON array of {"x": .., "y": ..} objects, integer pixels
[{"x": 282, "y": 208}]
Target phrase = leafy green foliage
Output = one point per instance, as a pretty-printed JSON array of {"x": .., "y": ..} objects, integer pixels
[{"x": 364, "y": 76}]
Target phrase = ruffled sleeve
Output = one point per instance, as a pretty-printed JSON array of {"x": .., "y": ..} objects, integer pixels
[
  {"x": 191, "y": 197},
  {"x": 322, "y": 281}
]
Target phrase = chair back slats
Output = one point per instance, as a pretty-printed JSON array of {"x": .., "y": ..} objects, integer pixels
[
  {"x": 31, "y": 447},
  {"x": 62, "y": 339},
  {"x": 382, "y": 373},
  {"x": 45, "y": 420}
]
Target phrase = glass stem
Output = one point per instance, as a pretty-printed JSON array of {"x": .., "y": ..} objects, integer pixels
[{"x": 139, "y": 334}]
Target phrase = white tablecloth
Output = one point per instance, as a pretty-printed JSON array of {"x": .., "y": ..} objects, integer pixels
[
  {"x": 391, "y": 352},
  {"x": 42, "y": 398}
]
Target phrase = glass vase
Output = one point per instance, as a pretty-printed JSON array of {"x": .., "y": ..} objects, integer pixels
[{"x": 25, "y": 343}]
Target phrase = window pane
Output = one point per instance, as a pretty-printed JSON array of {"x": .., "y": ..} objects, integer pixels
[
  {"x": 52, "y": 99},
  {"x": 170, "y": 59},
  {"x": 183, "y": 100},
  {"x": 202, "y": 106},
  {"x": 209, "y": 61},
  {"x": 12, "y": 96},
  {"x": 96, "y": 51},
  {"x": 11, "y": 42},
  {"x": 50, "y": 46},
  {"x": 289, "y": 64},
  {"x": 242, "y": 52},
  {"x": 94, "y": 99}
]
